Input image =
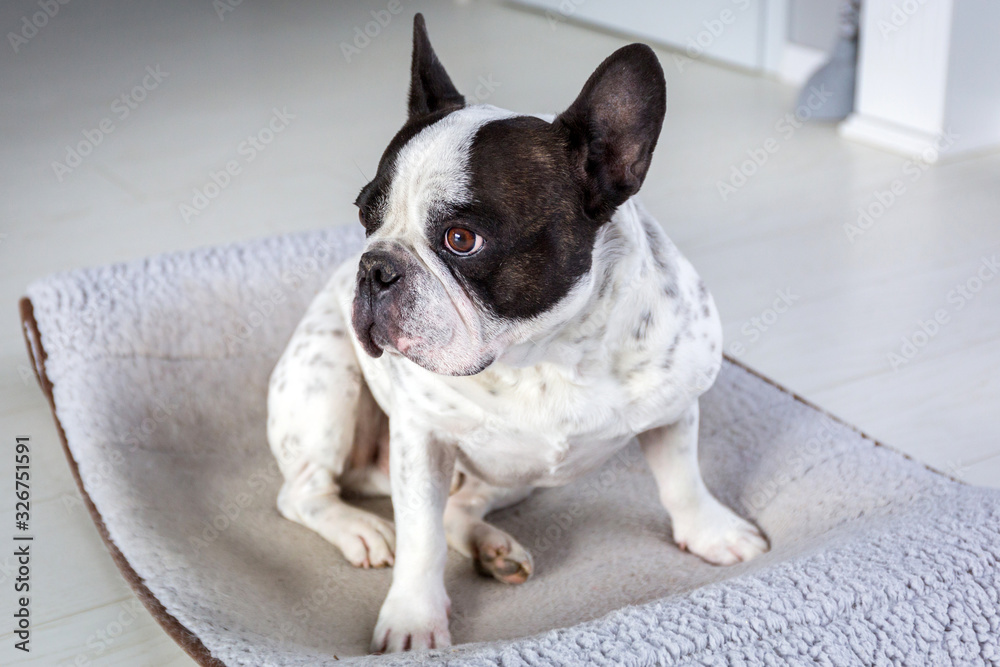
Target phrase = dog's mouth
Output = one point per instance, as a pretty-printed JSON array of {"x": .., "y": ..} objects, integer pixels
[
  {"x": 363, "y": 320},
  {"x": 375, "y": 340},
  {"x": 372, "y": 347},
  {"x": 421, "y": 335}
]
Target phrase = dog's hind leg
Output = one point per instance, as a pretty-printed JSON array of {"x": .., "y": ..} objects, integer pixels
[
  {"x": 323, "y": 428},
  {"x": 312, "y": 499},
  {"x": 493, "y": 551},
  {"x": 367, "y": 473}
]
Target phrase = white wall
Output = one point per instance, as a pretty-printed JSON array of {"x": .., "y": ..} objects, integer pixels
[
  {"x": 727, "y": 30},
  {"x": 928, "y": 69}
]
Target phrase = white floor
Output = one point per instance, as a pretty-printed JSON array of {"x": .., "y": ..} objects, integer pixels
[{"x": 782, "y": 233}]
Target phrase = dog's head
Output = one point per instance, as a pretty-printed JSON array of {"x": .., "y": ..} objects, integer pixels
[{"x": 481, "y": 222}]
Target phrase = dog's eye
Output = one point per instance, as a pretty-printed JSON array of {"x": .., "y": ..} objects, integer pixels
[
  {"x": 361, "y": 217},
  {"x": 462, "y": 241}
]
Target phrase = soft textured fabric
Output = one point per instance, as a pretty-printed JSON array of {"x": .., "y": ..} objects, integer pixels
[{"x": 158, "y": 370}]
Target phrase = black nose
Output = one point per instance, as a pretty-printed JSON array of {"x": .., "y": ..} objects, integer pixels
[{"x": 380, "y": 270}]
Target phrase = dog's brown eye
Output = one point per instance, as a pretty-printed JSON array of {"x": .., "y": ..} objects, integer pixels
[
  {"x": 361, "y": 217},
  {"x": 462, "y": 241}
]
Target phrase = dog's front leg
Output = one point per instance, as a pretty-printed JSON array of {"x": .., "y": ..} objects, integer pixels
[
  {"x": 701, "y": 523},
  {"x": 415, "y": 612}
]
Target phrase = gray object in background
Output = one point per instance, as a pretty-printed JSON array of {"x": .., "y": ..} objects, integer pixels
[{"x": 838, "y": 76}]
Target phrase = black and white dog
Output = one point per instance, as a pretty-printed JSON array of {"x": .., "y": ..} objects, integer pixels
[{"x": 515, "y": 319}]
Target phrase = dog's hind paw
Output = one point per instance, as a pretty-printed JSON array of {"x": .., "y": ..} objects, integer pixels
[
  {"x": 498, "y": 555},
  {"x": 365, "y": 539}
]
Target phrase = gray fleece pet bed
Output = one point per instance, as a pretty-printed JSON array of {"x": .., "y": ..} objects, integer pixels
[{"x": 157, "y": 372}]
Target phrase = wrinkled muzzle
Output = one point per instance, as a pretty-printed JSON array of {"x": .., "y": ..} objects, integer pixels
[{"x": 401, "y": 306}]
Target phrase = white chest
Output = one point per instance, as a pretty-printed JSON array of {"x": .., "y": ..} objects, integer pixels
[{"x": 539, "y": 425}]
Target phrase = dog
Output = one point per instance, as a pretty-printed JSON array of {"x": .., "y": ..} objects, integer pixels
[{"x": 515, "y": 319}]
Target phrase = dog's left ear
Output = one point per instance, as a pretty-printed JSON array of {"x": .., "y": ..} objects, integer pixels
[
  {"x": 612, "y": 127},
  {"x": 430, "y": 87}
]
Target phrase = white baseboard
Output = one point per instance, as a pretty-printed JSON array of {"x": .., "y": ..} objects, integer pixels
[
  {"x": 799, "y": 62},
  {"x": 891, "y": 137}
]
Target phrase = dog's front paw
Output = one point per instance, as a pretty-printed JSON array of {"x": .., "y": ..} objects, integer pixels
[
  {"x": 409, "y": 622},
  {"x": 719, "y": 536}
]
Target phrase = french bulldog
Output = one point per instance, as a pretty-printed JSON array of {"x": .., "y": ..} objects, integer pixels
[{"x": 515, "y": 319}]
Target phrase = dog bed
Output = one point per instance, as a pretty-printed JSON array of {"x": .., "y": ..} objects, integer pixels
[{"x": 157, "y": 372}]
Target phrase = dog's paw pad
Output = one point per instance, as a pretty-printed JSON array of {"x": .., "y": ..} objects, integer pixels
[
  {"x": 722, "y": 538},
  {"x": 503, "y": 559}
]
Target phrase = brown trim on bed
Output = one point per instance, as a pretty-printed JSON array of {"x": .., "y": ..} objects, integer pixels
[
  {"x": 187, "y": 640},
  {"x": 804, "y": 401}
]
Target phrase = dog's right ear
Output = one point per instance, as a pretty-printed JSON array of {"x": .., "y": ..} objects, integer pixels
[{"x": 431, "y": 89}]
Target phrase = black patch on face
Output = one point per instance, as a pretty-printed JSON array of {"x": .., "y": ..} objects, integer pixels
[
  {"x": 527, "y": 207},
  {"x": 540, "y": 191}
]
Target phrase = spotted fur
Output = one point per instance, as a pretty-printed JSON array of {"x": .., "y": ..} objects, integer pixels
[{"x": 579, "y": 327}]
